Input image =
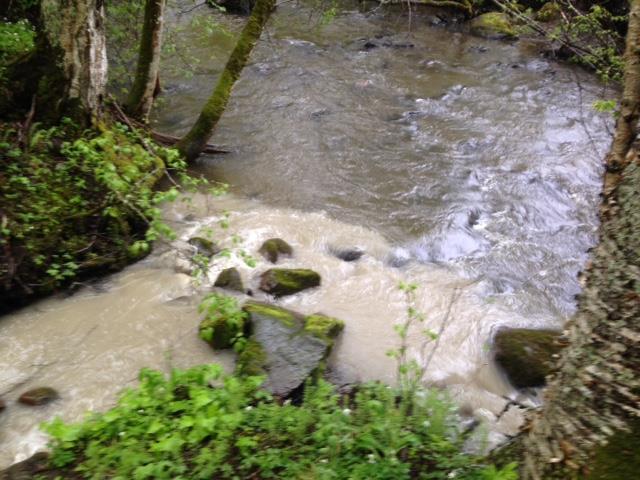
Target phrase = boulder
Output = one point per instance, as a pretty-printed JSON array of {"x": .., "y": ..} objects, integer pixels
[
  {"x": 285, "y": 346},
  {"x": 273, "y": 248},
  {"x": 284, "y": 281},
  {"x": 525, "y": 355},
  {"x": 348, "y": 254},
  {"x": 230, "y": 279},
  {"x": 224, "y": 321},
  {"x": 204, "y": 246},
  {"x": 39, "y": 396},
  {"x": 493, "y": 25}
]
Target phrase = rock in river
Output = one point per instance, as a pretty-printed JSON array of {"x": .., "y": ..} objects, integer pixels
[
  {"x": 525, "y": 355},
  {"x": 39, "y": 396},
  {"x": 285, "y": 281},
  {"x": 204, "y": 246},
  {"x": 285, "y": 345},
  {"x": 3, "y": 405},
  {"x": 230, "y": 279},
  {"x": 273, "y": 248},
  {"x": 493, "y": 25}
]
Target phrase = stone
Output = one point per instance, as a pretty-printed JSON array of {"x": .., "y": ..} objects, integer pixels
[
  {"x": 230, "y": 279},
  {"x": 39, "y": 396},
  {"x": 285, "y": 346},
  {"x": 223, "y": 324},
  {"x": 285, "y": 281},
  {"x": 204, "y": 246},
  {"x": 273, "y": 248},
  {"x": 348, "y": 254},
  {"x": 493, "y": 25},
  {"x": 33, "y": 467},
  {"x": 526, "y": 356},
  {"x": 3, "y": 405}
]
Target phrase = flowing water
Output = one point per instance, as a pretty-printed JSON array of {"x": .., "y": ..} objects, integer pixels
[{"x": 469, "y": 167}]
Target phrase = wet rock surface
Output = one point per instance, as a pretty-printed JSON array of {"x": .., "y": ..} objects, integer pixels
[
  {"x": 526, "y": 356},
  {"x": 230, "y": 279},
  {"x": 39, "y": 396},
  {"x": 493, "y": 25},
  {"x": 348, "y": 254},
  {"x": 284, "y": 281},
  {"x": 204, "y": 246},
  {"x": 285, "y": 345},
  {"x": 275, "y": 248}
]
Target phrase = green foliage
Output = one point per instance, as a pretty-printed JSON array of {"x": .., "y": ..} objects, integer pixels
[
  {"x": 76, "y": 200},
  {"x": 224, "y": 322},
  {"x": 605, "y": 106},
  {"x": 183, "y": 428},
  {"x": 16, "y": 39}
]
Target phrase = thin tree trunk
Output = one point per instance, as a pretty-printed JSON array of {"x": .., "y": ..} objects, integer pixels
[
  {"x": 595, "y": 396},
  {"x": 143, "y": 91},
  {"x": 193, "y": 142}
]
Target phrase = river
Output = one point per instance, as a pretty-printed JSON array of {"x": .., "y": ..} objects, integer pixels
[{"x": 467, "y": 166}]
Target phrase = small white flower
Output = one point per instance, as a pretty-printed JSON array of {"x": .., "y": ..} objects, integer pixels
[
  {"x": 122, "y": 434},
  {"x": 452, "y": 474},
  {"x": 324, "y": 460},
  {"x": 372, "y": 458},
  {"x": 248, "y": 408},
  {"x": 426, "y": 423},
  {"x": 346, "y": 411}
]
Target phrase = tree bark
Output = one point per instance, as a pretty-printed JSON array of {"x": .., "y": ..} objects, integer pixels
[
  {"x": 143, "y": 91},
  {"x": 594, "y": 399},
  {"x": 67, "y": 71},
  {"x": 193, "y": 142}
]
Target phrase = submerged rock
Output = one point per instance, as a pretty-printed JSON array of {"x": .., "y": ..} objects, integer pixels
[
  {"x": 273, "y": 248},
  {"x": 285, "y": 281},
  {"x": 493, "y": 25},
  {"x": 285, "y": 345},
  {"x": 525, "y": 355},
  {"x": 230, "y": 279},
  {"x": 39, "y": 396},
  {"x": 204, "y": 246},
  {"x": 348, "y": 254}
]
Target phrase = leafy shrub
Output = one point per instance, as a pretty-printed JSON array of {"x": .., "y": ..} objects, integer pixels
[
  {"x": 15, "y": 39},
  {"x": 183, "y": 428}
]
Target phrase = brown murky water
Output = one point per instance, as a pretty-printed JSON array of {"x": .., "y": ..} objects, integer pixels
[{"x": 467, "y": 166}]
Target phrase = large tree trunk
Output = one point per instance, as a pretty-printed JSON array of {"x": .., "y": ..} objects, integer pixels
[
  {"x": 595, "y": 396},
  {"x": 192, "y": 144},
  {"x": 146, "y": 80},
  {"x": 66, "y": 74}
]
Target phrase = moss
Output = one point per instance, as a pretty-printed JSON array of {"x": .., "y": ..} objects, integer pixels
[
  {"x": 285, "y": 316},
  {"x": 323, "y": 327},
  {"x": 282, "y": 281},
  {"x": 229, "y": 279},
  {"x": 493, "y": 25},
  {"x": 620, "y": 458},
  {"x": 251, "y": 359}
]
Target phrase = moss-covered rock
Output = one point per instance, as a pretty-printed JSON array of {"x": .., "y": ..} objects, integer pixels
[
  {"x": 286, "y": 346},
  {"x": 230, "y": 279},
  {"x": 323, "y": 327},
  {"x": 493, "y": 25},
  {"x": 204, "y": 246},
  {"x": 39, "y": 396},
  {"x": 619, "y": 459},
  {"x": 224, "y": 321},
  {"x": 283, "y": 281},
  {"x": 273, "y": 248},
  {"x": 550, "y": 11},
  {"x": 252, "y": 359},
  {"x": 526, "y": 356}
]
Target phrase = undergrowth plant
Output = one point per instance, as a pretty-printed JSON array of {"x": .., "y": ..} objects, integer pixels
[{"x": 203, "y": 424}]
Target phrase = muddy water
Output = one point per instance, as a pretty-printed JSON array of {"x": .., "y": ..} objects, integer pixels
[{"x": 469, "y": 167}]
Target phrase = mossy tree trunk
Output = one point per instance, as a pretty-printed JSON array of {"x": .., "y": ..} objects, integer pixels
[
  {"x": 146, "y": 80},
  {"x": 66, "y": 74},
  {"x": 194, "y": 142},
  {"x": 594, "y": 399}
]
